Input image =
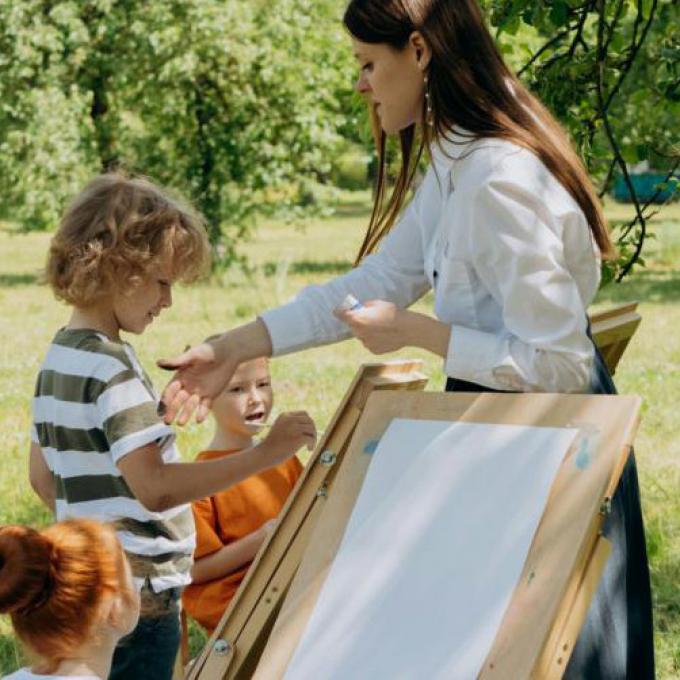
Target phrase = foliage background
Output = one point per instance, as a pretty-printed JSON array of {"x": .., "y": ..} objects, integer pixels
[{"x": 245, "y": 107}]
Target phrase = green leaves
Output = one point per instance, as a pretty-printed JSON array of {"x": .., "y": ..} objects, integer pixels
[
  {"x": 223, "y": 99},
  {"x": 628, "y": 50},
  {"x": 242, "y": 105}
]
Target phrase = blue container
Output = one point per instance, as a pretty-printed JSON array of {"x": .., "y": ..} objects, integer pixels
[{"x": 645, "y": 185}]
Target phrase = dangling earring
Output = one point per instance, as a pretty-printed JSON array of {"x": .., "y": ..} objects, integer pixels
[{"x": 429, "y": 118}]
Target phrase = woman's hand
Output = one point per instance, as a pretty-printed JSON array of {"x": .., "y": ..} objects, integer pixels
[
  {"x": 202, "y": 372},
  {"x": 383, "y": 327},
  {"x": 379, "y": 325}
]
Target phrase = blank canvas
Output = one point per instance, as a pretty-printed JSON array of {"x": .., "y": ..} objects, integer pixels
[{"x": 432, "y": 552}]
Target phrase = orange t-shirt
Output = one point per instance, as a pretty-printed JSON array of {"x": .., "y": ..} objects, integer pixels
[{"x": 227, "y": 517}]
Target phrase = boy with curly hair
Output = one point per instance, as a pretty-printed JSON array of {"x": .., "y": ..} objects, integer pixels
[{"x": 99, "y": 448}]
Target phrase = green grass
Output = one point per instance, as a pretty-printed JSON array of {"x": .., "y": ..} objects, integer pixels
[{"x": 286, "y": 257}]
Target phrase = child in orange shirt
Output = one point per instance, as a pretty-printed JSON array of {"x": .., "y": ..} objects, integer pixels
[{"x": 232, "y": 525}]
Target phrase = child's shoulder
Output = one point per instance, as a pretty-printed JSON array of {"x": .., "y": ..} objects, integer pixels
[{"x": 88, "y": 352}]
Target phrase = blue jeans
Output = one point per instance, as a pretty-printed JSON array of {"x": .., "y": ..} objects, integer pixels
[{"x": 149, "y": 651}]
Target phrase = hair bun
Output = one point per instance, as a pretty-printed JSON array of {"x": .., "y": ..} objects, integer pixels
[{"x": 26, "y": 569}]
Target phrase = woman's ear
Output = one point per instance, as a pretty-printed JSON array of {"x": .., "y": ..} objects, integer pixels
[{"x": 421, "y": 48}]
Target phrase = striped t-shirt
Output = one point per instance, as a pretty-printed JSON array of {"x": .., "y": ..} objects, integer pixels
[{"x": 93, "y": 405}]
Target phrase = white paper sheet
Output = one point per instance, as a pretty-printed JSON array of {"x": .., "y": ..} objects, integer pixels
[{"x": 432, "y": 552}]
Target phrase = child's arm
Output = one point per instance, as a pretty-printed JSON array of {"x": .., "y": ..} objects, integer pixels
[
  {"x": 231, "y": 557},
  {"x": 160, "y": 486},
  {"x": 41, "y": 477}
]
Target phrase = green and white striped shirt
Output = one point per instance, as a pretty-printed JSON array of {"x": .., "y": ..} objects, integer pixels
[{"x": 93, "y": 405}]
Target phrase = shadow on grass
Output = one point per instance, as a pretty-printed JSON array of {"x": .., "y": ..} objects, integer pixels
[
  {"x": 14, "y": 280},
  {"x": 665, "y": 579},
  {"x": 665, "y": 572},
  {"x": 330, "y": 267},
  {"x": 10, "y": 654},
  {"x": 646, "y": 286},
  {"x": 353, "y": 209}
]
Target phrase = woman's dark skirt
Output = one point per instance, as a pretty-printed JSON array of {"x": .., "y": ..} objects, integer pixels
[{"x": 616, "y": 640}]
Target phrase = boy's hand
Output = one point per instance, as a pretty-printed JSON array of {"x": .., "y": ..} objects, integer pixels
[{"x": 290, "y": 432}]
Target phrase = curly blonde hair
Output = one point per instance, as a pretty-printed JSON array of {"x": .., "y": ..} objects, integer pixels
[{"x": 115, "y": 231}]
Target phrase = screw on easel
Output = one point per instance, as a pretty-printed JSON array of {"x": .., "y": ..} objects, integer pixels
[
  {"x": 322, "y": 491},
  {"x": 221, "y": 647},
  {"x": 327, "y": 457},
  {"x": 606, "y": 506}
]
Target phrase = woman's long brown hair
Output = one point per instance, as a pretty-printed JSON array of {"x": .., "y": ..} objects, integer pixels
[{"x": 472, "y": 89}]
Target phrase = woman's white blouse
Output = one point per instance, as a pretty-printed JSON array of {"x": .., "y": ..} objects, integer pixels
[{"x": 510, "y": 257}]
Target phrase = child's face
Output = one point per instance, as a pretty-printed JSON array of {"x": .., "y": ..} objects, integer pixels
[
  {"x": 246, "y": 402},
  {"x": 136, "y": 309}
]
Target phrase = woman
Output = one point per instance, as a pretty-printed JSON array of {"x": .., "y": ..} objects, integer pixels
[
  {"x": 506, "y": 228},
  {"x": 70, "y": 595}
]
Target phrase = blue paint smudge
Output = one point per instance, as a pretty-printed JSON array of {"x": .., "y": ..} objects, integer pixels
[
  {"x": 583, "y": 457},
  {"x": 371, "y": 445}
]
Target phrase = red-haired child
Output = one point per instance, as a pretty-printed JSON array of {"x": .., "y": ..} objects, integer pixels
[{"x": 70, "y": 595}]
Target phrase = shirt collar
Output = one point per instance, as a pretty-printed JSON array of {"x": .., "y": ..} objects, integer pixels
[{"x": 450, "y": 147}]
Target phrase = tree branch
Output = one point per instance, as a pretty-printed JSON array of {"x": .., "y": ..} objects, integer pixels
[
  {"x": 634, "y": 48},
  {"x": 578, "y": 38},
  {"x": 600, "y": 87},
  {"x": 612, "y": 27},
  {"x": 660, "y": 187},
  {"x": 551, "y": 43},
  {"x": 610, "y": 173}
]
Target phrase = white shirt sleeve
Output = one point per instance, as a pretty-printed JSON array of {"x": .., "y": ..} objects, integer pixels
[
  {"x": 519, "y": 258},
  {"x": 395, "y": 273}
]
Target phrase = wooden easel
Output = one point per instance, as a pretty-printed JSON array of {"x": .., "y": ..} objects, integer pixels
[
  {"x": 567, "y": 556},
  {"x": 237, "y": 643},
  {"x": 612, "y": 330},
  {"x": 568, "y": 553},
  {"x": 560, "y": 575}
]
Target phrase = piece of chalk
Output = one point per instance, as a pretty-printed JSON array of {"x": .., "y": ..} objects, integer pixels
[{"x": 349, "y": 304}]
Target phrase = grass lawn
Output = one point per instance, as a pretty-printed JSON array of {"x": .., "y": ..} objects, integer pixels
[{"x": 286, "y": 257}]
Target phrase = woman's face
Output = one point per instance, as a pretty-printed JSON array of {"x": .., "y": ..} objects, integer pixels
[{"x": 392, "y": 80}]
